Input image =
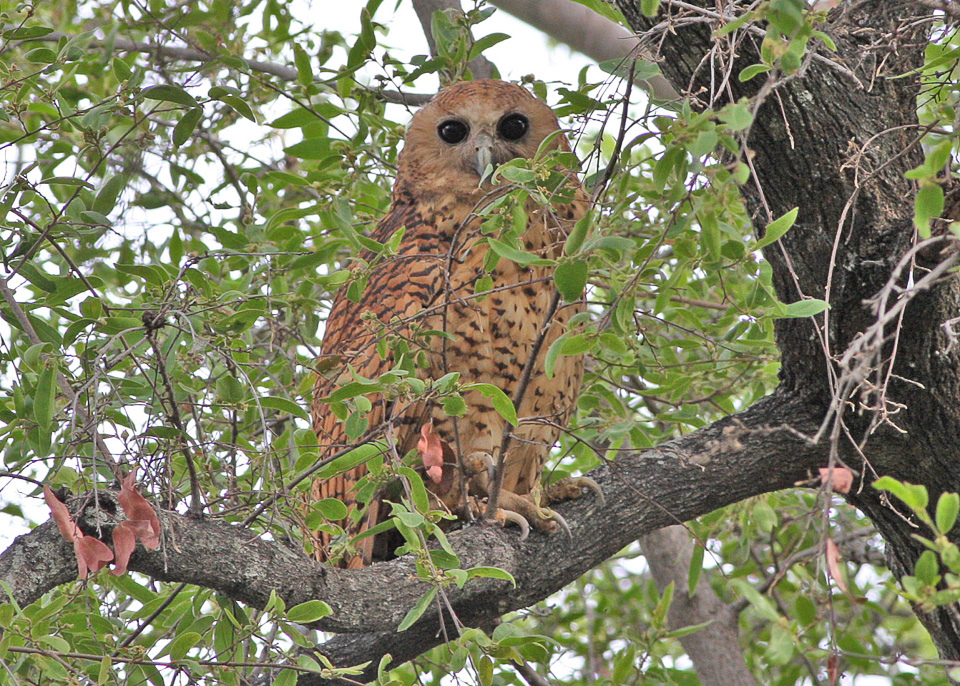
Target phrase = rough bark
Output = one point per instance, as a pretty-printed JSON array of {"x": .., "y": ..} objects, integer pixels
[
  {"x": 835, "y": 141},
  {"x": 734, "y": 459},
  {"x": 715, "y": 649}
]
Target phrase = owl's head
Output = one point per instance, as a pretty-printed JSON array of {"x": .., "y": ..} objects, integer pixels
[{"x": 467, "y": 126}]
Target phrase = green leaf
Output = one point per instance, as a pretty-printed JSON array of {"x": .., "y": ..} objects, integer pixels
[
  {"x": 948, "y": 507},
  {"x": 928, "y": 205},
  {"x": 304, "y": 68},
  {"x": 418, "y": 492},
  {"x": 357, "y": 456},
  {"x": 444, "y": 560},
  {"x": 710, "y": 237},
  {"x": 578, "y": 234},
  {"x": 417, "y": 610},
  {"x": 736, "y": 116},
  {"x": 307, "y": 612},
  {"x": 66, "y": 181},
  {"x": 233, "y": 98},
  {"x": 169, "y": 93},
  {"x": 284, "y": 405},
  {"x": 568, "y": 344},
  {"x": 382, "y": 667},
  {"x": 570, "y": 279},
  {"x": 287, "y": 677},
  {"x": 805, "y": 610},
  {"x": 777, "y": 228},
  {"x": 501, "y": 403},
  {"x": 106, "y": 199},
  {"x": 186, "y": 126},
  {"x": 687, "y": 630},
  {"x": 487, "y": 41},
  {"x": 229, "y": 389},
  {"x": 332, "y": 509},
  {"x": 181, "y": 645},
  {"x": 26, "y": 32},
  {"x": 751, "y": 71},
  {"x": 518, "y": 256},
  {"x": 41, "y": 56},
  {"x": 353, "y": 389},
  {"x": 926, "y": 568},
  {"x": 491, "y": 573},
  {"x": 914, "y": 497},
  {"x": 106, "y": 670},
  {"x": 454, "y": 406},
  {"x": 760, "y": 602},
  {"x": 802, "y": 308},
  {"x": 45, "y": 396},
  {"x": 696, "y": 568},
  {"x": 484, "y": 284}
]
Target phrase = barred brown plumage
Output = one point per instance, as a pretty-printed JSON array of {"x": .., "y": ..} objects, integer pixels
[{"x": 429, "y": 285}]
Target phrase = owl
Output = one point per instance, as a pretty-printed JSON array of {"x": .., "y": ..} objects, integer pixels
[{"x": 422, "y": 311}]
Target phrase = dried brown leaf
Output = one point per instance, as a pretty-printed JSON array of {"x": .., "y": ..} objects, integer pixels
[
  {"x": 840, "y": 478},
  {"x": 124, "y": 542},
  {"x": 833, "y": 669},
  {"x": 146, "y": 524},
  {"x": 833, "y": 565},
  {"x": 431, "y": 451},
  {"x": 91, "y": 554},
  {"x": 61, "y": 515}
]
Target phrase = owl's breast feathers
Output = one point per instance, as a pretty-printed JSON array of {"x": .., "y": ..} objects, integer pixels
[{"x": 429, "y": 285}]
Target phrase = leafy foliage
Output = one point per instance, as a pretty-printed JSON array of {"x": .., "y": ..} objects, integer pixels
[{"x": 174, "y": 220}]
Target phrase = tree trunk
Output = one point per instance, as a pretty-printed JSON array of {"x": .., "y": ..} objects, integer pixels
[{"x": 835, "y": 141}]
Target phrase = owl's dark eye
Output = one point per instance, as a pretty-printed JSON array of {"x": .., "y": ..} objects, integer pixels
[
  {"x": 452, "y": 131},
  {"x": 513, "y": 127}
]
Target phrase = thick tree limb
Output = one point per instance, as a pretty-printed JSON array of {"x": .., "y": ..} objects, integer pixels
[
  {"x": 715, "y": 649},
  {"x": 585, "y": 31},
  {"x": 758, "y": 451}
]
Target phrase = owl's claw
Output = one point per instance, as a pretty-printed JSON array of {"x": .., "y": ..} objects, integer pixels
[
  {"x": 555, "y": 516},
  {"x": 504, "y": 516}
]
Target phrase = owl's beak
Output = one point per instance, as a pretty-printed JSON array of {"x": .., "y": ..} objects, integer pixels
[{"x": 484, "y": 148}]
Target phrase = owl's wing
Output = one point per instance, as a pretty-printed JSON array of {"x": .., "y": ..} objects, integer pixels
[{"x": 398, "y": 289}]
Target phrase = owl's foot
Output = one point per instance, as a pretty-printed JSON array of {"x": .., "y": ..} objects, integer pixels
[
  {"x": 571, "y": 488},
  {"x": 515, "y": 507},
  {"x": 503, "y": 517}
]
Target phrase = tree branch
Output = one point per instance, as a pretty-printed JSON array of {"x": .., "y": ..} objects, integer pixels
[
  {"x": 715, "y": 649},
  {"x": 676, "y": 482},
  {"x": 588, "y": 32}
]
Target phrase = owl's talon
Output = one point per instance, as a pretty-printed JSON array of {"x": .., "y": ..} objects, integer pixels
[
  {"x": 504, "y": 516},
  {"x": 587, "y": 482},
  {"x": 555, "y": 516}
]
